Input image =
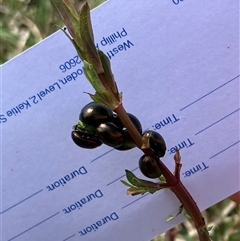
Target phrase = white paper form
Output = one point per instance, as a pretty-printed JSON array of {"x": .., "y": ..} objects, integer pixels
[{"x": 177, "y": 63}]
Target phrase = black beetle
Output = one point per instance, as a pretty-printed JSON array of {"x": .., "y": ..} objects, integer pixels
[
  {"x": 156, "y": 141},
  {"x": 85, "y": 140},
  {"x": 126, "y": 145},
  {"x": 149, "y": 167},
  {"x": 95, "y": 114},
  {"x": 110, "y": 134}
]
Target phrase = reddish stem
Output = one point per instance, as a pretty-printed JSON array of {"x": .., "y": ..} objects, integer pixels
[
  {"x": 174, "y": 181},
  {"x": 170, "y": 234}
]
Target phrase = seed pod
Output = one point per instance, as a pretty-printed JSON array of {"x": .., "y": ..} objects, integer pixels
[
  {"x": 94, "y": 114},
  {"x": 110, "y": 134},
  {"x": 148, "y": 167},
  {"x": 157, "y": 142},
  {"x": 85, "y": 140}
]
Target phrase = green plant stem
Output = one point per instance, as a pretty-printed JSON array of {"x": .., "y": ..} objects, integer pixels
[{"x": 175, "y": 184}]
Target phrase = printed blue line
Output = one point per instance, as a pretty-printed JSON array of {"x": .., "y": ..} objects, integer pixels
[
  {"x": 209, "y": 93},
  {"x": 102, "y": 155},
  {"x": 34, "y": 226},
  {"x": 21, "y": 201},
  {"x": 217, "y": 121},
  {"x": 121, "y": 177},
  {"x": 225, "y": 149},
  {"x": 69, "y": 237},
  {"x": 135, "y": 201}
]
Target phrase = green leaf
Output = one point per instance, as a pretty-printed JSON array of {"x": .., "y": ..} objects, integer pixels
[
  {"x": 69, "y": 16},
  {"x": 87, "y": 39},
  {"x": 102, "y": 95},
  {"x": 80, "y": 29},
  {"x": 84, "y": 127},
  {"x": 85, "y": 21},
  {"x": 104, "y": 98},
  {"x": 140, "y": 186},
  {"x": 133, "y": 179},
  {"x": 135, "y": 191},
  {"x": 110, "y": 82},
  {"x": 93, "y": 78},
  {"x": 71, "y": 8},
  {"x": 140, "y": 182},
  {"x": 162, "y": 178},
  {"x": 80, "y": 51},
  {"x": 125, "y": 183}
]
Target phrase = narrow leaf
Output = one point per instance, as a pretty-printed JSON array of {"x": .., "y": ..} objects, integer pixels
[
  {"x": 77, "y": 47},
  {"x": 84, "y": 127},
  {"x": 162, "y": 178},
  {"x": 125, "y": 183},
  {"x": 93, "y": 78},
  {"x": 135, "y": 191},
  {"x": 104, "y": 98},
  {"x": 130, "y": 176},
  {"x": 86, "y": 35},
  {"x": 85, "y": 20},
  {"x": 68, "y": 14},
  {"x": 140, "y": 182},
  {"x": 108, "y": 74},
  {"x": 70, "y": 6}
]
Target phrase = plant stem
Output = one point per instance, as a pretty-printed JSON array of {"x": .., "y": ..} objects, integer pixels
[
  {"x": 192, "y": 210},
  {"x": 171, "y": 234},
  {"x": 121, "y": 112},
  {"x": 176, "y": 186},
  {"x": 70, "y": 18}
]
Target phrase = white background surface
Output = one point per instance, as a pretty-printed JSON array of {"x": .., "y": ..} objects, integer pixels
[{"x": 183, "y": 62}]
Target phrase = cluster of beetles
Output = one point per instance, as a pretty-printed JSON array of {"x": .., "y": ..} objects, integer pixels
[{"x": 99, "y": 125}]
